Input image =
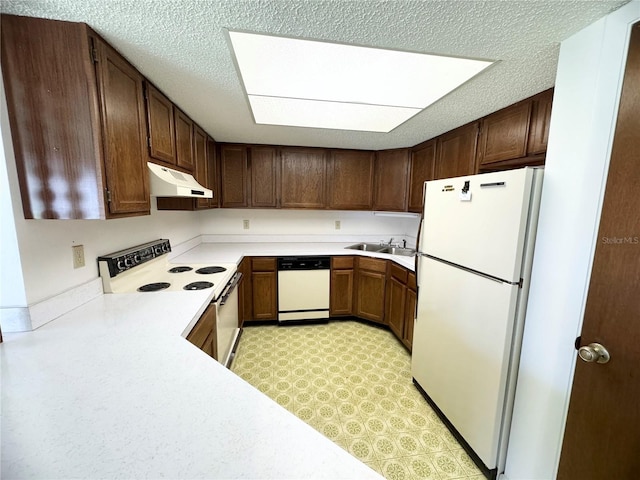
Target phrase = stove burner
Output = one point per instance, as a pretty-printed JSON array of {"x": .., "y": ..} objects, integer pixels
[
  {"x": 198, "y": 286},
  {"x": 154, "y": 287},
  {"x": 209, "y": 270},
  {"x": 180, "y": 269}
]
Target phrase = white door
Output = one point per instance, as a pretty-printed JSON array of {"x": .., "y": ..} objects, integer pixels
[
  {"x": 484, "y": 231},
  {"x": 462, "y": 344}
]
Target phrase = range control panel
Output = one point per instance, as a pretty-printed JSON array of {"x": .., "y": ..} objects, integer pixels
[{"x": 123, "y": 260}]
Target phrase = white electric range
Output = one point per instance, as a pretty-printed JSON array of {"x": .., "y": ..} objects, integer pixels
[{"x": 145, "y": 268}]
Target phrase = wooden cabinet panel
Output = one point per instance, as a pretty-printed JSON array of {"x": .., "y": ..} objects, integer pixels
[
  {"x": 201, "y": 163},
  {"x": 399, "y": 273},
  {"x": 456, "y": 153},
  {"x": 160, "y": 119},
  {"x": 124, "y": 130},
  {"x": 503, "y": 135},
  {"x": 264, "y": 292},
  {"x": 203, "y": 334},
  {"x": 341, "y": 299},
  {"x": 303, "y": 178},
  {"x": 264, "y": 176},
  {"x": 540, "y": 120},
  {"x": 397, "y": 292},
  {"x": 409, "y": 319},
  {"x": 350, "y": 180},
  {"x": 342, "y": 263},
  {"x": 373, "y": 264},
  {"x": 423, "y": 161},
  {"x": 213, "y": 170},
  {"x": 370, "y": 295},
  {"x": 245, "y": 292},
  {"x": 184, "y": 140},
  {"x": 391, "y": 179},
  {"x": 263, "y": 264},
  {"x": 233, "y": 172}
]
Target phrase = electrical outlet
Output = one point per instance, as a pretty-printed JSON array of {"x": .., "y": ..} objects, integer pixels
[
  {"x": 245, "y": 224},
  {"x": 337, "y": 224},
  {"x": 78, "y": 256}
]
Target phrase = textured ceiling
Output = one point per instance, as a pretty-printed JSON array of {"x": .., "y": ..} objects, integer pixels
[{"x": 181, "y": 46}]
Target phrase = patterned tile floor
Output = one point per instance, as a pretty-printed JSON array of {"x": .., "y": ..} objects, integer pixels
[{"x": 352, "y": 382}]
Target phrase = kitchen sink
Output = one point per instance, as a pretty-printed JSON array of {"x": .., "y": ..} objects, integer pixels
[
  {"x": 376, "y": 247},
  {"x": 406, "y": 252},
  {"x": 367, "y": 247}
]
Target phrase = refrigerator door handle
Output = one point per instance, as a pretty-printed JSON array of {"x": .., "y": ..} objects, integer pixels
[{"x": 475, "y": 272}]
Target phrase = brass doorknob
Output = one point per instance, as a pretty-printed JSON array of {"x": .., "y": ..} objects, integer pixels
[{"x": 594, "y": 352}]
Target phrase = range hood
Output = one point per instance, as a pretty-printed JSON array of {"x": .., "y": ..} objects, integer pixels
[{"x": 166, "y": 182}]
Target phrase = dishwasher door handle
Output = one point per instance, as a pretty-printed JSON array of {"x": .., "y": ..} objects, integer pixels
[{"x": 224, "y": 296}]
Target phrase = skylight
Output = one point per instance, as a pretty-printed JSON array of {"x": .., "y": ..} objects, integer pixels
[{"x": 297, "y": 82}]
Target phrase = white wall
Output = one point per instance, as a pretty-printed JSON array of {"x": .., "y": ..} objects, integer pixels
[
  {"x": 308, "y": 223},
  {"x": 587, "y": 92}
]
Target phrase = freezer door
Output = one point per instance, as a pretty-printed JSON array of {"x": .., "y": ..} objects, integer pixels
[
  {"x": 462, "y": 344},
  {"x": 483, "y": 229}
]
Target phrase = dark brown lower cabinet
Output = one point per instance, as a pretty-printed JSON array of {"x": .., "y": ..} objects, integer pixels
[
  {"x": 371, "y": 282},
  {"x": 396, "y": 297},
  {"x": 342, "y": 283},
  {"x": 203, "y": 334},
  {"x": 411, "y": 301},
  {"x": 264, "y": 288}
]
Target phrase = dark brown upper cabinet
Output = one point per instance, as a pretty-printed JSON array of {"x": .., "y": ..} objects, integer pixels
[
  {"x": 214, "y": 172},
  {"x": 456, "y": 154},
  {"x": 184, "y": 140},
  {"x": 161, "y": 123},
  {"x": 202, "y": 164},
  {"x": 303, "y": 177},
  {"x": 503, "y": 135},
  {"x": 234, "y": 176},
  {"x": 391, "y": 179},
  {"x": 264, "y": 167},
  {"x": 350, "y": 180},
  {"x": 78, "y": 124},
  {"x": 423, "y": 162},
  {"x": 540, "y": 120}
]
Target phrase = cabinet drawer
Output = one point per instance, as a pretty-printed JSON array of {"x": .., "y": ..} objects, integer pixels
[
  {"x": 398, "y": 272},
  {"x": 411, "y": 282},
  {"x": 342, "y": 263},
  {"x": 263, "y": 264},
  {"x": 373, "y": 264}
]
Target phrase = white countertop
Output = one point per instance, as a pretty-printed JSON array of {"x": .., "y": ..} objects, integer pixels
[
  {"x": 113, "y": 390},
  {"x": 233, "y": 252}
]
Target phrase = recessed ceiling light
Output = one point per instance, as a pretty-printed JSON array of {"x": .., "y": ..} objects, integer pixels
[{"x": 308, "y": 83}]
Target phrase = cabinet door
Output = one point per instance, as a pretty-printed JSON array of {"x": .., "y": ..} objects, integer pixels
[
  {"x": 264, "y": 291},
  {"x": 423, "y": 161},
  {"x": 397, "y": 292},
  {"x": 503, "y": 135},
  {"x": 370, "y": 295},
  {"x": 245, "y": 295},
  {"x": 341, "y": 298},
  {"x": 124, "y": 129},
  {"x": 409, "y": 318},
  {"x": 457, "y": 152},
  {"x": 391, "y": 175},
  {"x": 303, "y": 178},
  {"x": 264, "y": 174},
  {"x": 540, "y": 119},
  {"x": 184, "y": 141},
  {"x": 213, "y": 170},
  {"x": 201, "y": 164},
  {"x": 233, "y": 173},
  {"x": 350, "y": 180},
  {"x": 160, "y": 119},
  {"x": 203, "y": 327}
]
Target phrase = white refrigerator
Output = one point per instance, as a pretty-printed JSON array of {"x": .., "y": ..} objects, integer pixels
[{"x": 473, "y": 268}]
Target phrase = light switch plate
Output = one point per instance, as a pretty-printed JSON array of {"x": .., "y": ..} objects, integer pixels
[
  {"x": 337, "y": 224},
  {"x": 245, "y": 224}
]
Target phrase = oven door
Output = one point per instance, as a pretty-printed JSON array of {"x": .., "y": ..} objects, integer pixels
[{"x": 227, "y": 330}]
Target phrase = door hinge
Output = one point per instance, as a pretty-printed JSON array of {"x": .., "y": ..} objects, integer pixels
[
  {"x": 149, "y": 142},
  {"x": 93, "y": 53},
  {"x": 108, "y": 196}
]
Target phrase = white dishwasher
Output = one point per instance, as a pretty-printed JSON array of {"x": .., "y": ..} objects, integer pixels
[{"x": 303, "y": 288}]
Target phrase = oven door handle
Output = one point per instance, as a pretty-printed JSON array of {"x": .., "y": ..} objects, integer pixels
[{"x": 233, "y": 283}]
